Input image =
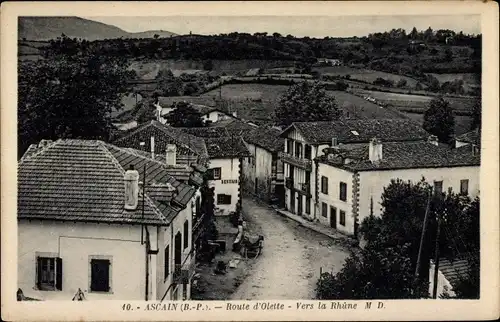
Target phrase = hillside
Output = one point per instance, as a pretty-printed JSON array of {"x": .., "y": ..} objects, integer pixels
[{"x": 46, "y": 28}]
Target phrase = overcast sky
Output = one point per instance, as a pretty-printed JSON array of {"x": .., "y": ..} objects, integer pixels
[{"x": 312, "y": 26}]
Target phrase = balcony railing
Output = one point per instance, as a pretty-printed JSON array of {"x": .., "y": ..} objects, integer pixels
[
  {"x": 184, "y": 272},
  {"x": 289, "y": 183},
  {"x": 298, "y": 162}
]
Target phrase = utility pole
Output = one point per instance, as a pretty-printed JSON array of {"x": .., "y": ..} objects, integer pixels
[
  {"x": 424, "y": 229},
  {"x": 143, "y": 202},
  {"x": 436, "y": 258}
]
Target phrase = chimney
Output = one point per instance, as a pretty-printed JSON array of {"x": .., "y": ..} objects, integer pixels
[
  {"x": 433, "y": 140},
  {"x": 474, "y": 149},
  {"x": 131, "y": 179},
  {"x": 335, "y": 141},
  {"x": 171, "y": 154},
  {"x": 375, "y": 150},
  {"x": 152, "y": 147}
]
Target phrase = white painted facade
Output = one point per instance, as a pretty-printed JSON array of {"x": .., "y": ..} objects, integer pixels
[
  {"x": 228, "y": 184},
  {"x": 76, "y": 243},
  {"x": 215, "y": 116},
  {"x": 372, "y": 183},
  {"x": 443, "y": 286},
  {"x": 332, "y": 199},
  {"x": 299, "y": 176}
]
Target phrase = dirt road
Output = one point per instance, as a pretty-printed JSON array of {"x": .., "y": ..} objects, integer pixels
[{"x": 291, "y": 260}]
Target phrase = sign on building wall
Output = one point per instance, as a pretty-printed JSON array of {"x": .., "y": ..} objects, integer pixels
[{"x": 230, "y": 181}]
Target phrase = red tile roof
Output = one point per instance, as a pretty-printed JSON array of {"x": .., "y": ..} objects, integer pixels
[
  {"x": 186, "y": 144},
  {"x": 404, "y": 155},
  {"x": 82, "y": 180},
  {"x": 357, "y": 131}
]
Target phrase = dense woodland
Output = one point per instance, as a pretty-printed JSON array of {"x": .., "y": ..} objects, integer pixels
[{"x": 429, "y": 51}]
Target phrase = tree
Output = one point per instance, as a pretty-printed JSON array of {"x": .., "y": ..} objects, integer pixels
[
  {"x": 439, "y": 119},
  {"x": 377, "y": 272},
  {"x": 476, "y": 115},
  {"x": 305, "y": 102},
  {"x": 184, "y": 115},
  {"x": 208, "y": 65},
  {"x": 69, "y": 95},
  {"x": 401, "y": 83}
]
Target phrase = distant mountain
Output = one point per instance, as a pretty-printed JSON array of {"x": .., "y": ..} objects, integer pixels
[{"x": 46, "y": 28}]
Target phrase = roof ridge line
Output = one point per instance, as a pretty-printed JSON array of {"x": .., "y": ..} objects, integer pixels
[
  {"x": 154, "y": 208},
  {"x": 41, "y": 151},
  {"x": 103, "y": 147},
  {"x": 163, "y": 128}
]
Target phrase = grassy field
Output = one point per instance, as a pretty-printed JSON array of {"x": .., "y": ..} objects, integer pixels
[
  {"x": 366, "y": 75},
  {"x": 418, "y": 102},
  {"x": 470, "y": 80},
  {"x": 257, "y": 102}
]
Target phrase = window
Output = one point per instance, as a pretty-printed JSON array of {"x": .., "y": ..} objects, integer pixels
[
  {"x": 298, "y": 149},
  {"x": 308, "y": 178},
  {"x": 186, "y": 234},
  {"x": 464, "y": 187},
  {"x": 307, "y": 152},
  {"x": 178, "y": 249},
  {"x": 342, "y": 218},
  {"x": 166, "y": 259},
  {"x": 308, "y": 206},
  {"x": 223, "y": 199},
  {"x": 216, "y": 173},
  {"x": 289, "y": 146},
  {"x": 324, "y": 209},
  {"x": 438, "y": 187},
  {"x": 324, "y": 185},
  {"x": 49, "y": 273},
  {"x": 343, "y": 191},
  {"x": 100, "y": 277}
]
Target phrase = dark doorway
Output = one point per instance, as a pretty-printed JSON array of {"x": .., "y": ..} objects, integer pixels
[
  {"x": 299, "y": 204},
  {"x": 256, "y": 187},
  {"x": 333, "y": 217},
  {"x": 292, "y": 201},
  {"x": 279, "y": 192}
]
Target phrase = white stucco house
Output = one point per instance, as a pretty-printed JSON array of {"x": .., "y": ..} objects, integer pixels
[
  {"x": 227, "y": 156},
  {"x": 352, "y": 180},
  {"x": 305, "y": 141},
  {"x": 470, "y": 138},
  {"x": 89, "y": 226},
  {"x": 209, "y": 108}
]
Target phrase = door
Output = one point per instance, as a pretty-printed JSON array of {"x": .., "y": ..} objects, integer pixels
[
  {"x": 299, "y": 204},
  {"x": 333, "y": 217},
  {"x": 256, "y": 187},
  {"x": 292, "y": 201},
  {"x": 279, "y": 192}
]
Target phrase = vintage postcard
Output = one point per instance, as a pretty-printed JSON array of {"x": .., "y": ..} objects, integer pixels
[{"x": 250, "y": 160}]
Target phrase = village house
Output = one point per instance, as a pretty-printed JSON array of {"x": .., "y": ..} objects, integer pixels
[
  {"x": 222, "y": 155},
  {"x": 352, "y": 180},
  {"x": 96, "y": 221},
  {"x": 162, "y": 141},
  {"x": 227, "y": 156},
  {"x": 470, "y": 138},
  {"x": 263, "y": 171},
  {"x": 305, "y": 141},
  {"x": 211, "y": 110}
]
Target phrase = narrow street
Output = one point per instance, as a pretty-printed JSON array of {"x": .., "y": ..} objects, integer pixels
[{"x": 290, "y": 264}]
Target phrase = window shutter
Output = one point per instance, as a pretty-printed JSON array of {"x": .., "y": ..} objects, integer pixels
[
  {"x": 59, "y": 272},
  {"x": 38, "y": 272},
  {"x": 106, "y": 274}
]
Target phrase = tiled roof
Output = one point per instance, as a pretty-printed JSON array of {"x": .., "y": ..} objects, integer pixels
[
  {"x": 206, "y": 132},
  {"x": 355, "y": 131},
  {"x": 234, "y": 126},
  {"x": 163, "y": 134},
  {"x": 227, "y": 147},
  {"x": 82, "y": 180},
  {"x": 266, "y": 138},
  {"x": 454, "y": 270},
  {"x": 404, "y": 155},
  {"x": 473, "y": 137}
]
